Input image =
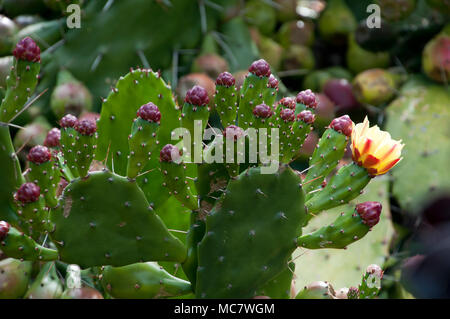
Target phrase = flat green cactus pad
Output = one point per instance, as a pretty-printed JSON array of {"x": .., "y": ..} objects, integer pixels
[
  {"x": 105, "y": 219},
  {"x": 254, "y": 226},
  {"x": 421, "y": 117},
  {"x": 344, "y": 268}
]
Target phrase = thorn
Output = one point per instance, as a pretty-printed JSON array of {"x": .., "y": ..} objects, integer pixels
[{"x": 28, "y": 105}]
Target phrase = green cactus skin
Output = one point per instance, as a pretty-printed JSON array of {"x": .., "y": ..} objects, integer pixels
[
  {"x": 20, "y": 246},
  {"x": 194, "y": 236},
  {"x": 189, "y": 115},
  {"x": 142, "y": 281},
  {"x": 420, "y": 115},
  {"x": 84, "y": 149},
  {"x": 46, "y": 285},
  {"x": 35, "y": 216},
  {"x": 262, "y": 237},
  {"x": 225, "y": 102},
  {"x": 346, "y": 185},
  {"x": 326, "y": 156},
  {"x": 122, "y": 225},
  {"x": 11, "y": 176},
  {"x": 300, "y": 131},
  {"x": 119, "y": 110},
  {"x": 68, "y": 148},
  {"x": 14, "y": 278},
  {"x": 47, "y": 177},
  {"x": 21, "y": 83},
  {"x": 280, "y": 286},
  {"x": 251, "y": 95},
  {"x": 175, "y": 180},
  {"x": 142, "y": 141},
  {"x": 345, "y": 230}
]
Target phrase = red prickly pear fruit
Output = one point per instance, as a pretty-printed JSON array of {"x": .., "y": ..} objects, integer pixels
[
  {"x": 287, "y": 115},
  {"x": 262, "y": 111},
  {"x": 273, "y": 82},
  {"x": 369, "y": 212},
  {"x": 306, "y": 116},
  {"x": 343, "y": 125},
  {"x": 324, "y": 110},
  {"x": 287, "y": 102},
  {"x": 53, "y": 138},
  {"x": 436, "y": 58},
  {"x": 68, "y": 120},
  {"x": 233, "y": 131},
  {"x": 260, "y": 68},
  {"x": 307, "y": 98},
  {"x": 86, "y": 127},
  {"x": 27, "y": 49},
  {"x": 185, "y": 83},
  {"x": 197, "y": 96},
  {"x": 211, "y": 64},
  {"x": 149, "y": 112},
  {"x": 4, "y": 229},
  {"x": 309, "y": 144},
  {"x": 225, "y": 79},
  {"x": 169, "y": 153},
  {"x": 28, "y": 193},
  {"x": 340, "y": 91},
  {"x": 39, "y": 154}
]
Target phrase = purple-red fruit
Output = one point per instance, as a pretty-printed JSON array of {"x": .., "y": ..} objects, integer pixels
[
  {"x": 260, "y": 68},
  {"x": 262, "y": 111},
  {"x": 68, "y": 121},
  {"x": 369, "y": 212},
  {"x": 4, "y": 229},
  {"x": 169, "y": 153},
  {"x": 340, "y": 91},
  {"x": 39, "y": 154},
  {"x": 27, "y": 49},
  {"x": 273, "y": 82},
  {"x": 306, "y": 116},
  {"x": 28, "y": 193},
  {"x": 307, "y": 98},
  {"x": 287, "y": 115},
  {"x": 233, "y": 131},
  {"x": 225, "y": 79},
  {"x": 342, "y": 125},
  {"x": 86, "y": 127},
  {"x": 149, "y": 112},
  {"x": 197, "y": 96},
  {"x": 288, "y": 102},
  {"x": 53, "y": 138}
]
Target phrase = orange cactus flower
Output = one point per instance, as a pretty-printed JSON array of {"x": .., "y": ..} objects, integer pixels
[{"x": 374, "y": 149}]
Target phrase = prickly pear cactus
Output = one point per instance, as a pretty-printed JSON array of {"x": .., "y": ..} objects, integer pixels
[
  {"x": 421, "y": 116},
  {"x": 240, "y": 208}
]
